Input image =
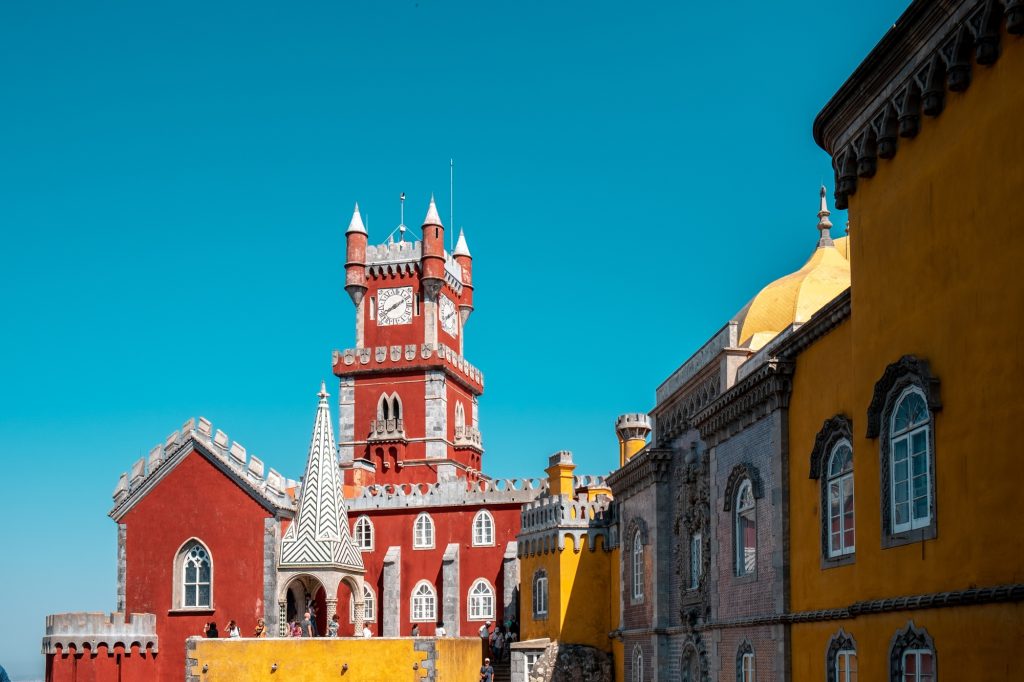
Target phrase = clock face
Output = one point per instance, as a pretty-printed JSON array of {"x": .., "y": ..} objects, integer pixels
[
  {"x": 394, "y": 306},
  {"x": 449, "y": 315}
]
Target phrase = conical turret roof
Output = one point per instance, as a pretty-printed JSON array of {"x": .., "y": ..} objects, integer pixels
[
  {"x": 432, "y": 217},
  {"x": 461, "y": 248}
]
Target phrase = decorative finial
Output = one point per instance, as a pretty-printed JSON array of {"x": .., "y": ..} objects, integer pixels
[
  {"x": 824, "y": 224},
  {"x": 323, "y": 394},
  {"x": 357, "y": 222}
]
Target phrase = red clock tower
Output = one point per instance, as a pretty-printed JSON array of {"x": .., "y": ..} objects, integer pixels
[{"x": 407, "y": 396}]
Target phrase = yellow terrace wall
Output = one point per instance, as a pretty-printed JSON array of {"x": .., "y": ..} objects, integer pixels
[{"x": 377, "y": 659}]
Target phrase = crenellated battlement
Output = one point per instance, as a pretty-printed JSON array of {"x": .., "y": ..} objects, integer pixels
[
  {"x": 270, "y": 485},
  {"x": 90, "y": 630},
  {"x": 548, "y": 520},
  {"x": 409, "y": 354},
  {"x": 447, "y": 493},
  {"x": 404, "y": 258}
]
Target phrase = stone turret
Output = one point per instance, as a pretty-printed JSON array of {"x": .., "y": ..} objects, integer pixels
[
  {"x": 632, "y": 430},
  {"x": 433, "y": 257},
  {"x": 465, "y": 260},
  {"x": 560, "y": 478},
  {"x": 355, "y": 258}
]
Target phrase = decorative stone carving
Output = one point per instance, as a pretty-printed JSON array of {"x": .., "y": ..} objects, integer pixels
[
  {"x": 840, "y": 641},
  {"x": 908, "y": 370},
  {"x": 832, "y": 431},
  {"x": 739, "y": 473},
  {"x": 910, "y": 637}
]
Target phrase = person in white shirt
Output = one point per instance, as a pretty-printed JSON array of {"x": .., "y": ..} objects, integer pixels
[
  {"x": 484, "y": 634},
  {"x": 366, "y": 632},
  {"x": 440, "y": 631}
]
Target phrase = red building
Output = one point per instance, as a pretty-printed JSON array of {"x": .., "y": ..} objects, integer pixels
[{"x": 395, "y": 524}]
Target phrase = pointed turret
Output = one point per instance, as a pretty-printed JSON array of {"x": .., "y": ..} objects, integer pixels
[
  {"x": 433, "y": 252},
  {"x": 319, "y": 535},
  {"x": 355, "y": 258},
  {"x": 824, "y": 224},
  {"x": 465, "y": 261}
]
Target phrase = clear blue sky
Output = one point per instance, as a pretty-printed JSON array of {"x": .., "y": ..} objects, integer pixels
[{"x": 175, "y": 180}]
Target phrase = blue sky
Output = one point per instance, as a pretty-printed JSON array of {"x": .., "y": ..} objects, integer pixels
[{"x": 175, "y": 180}]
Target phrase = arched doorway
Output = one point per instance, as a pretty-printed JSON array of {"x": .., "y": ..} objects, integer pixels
[{"x": 306, "y": 593}]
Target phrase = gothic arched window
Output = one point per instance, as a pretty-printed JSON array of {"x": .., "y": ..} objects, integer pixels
[
  {"x": 363, "y": 534},
  {"x": 483, "y": 529},
  {"x": 912, "y": 656},
  {"x": 638, "y": 566},
  {"x": 460, "y": 414},
  {"x": 481, "y": 601},
  {"x": 423, "y": 532},
  {"x": 841, "y": 659},
  {"x": 839, "y": 493},
  {"x": 745, "y": 529},
  {"x": 369, "y": 606},
  {"x": 910, "y": 462},
  {"x": 638, "y": 664},
  {"x": 193, "y": 572},
  {"x": 424, "y": 603},
  {"x": 540, "y": 594},
  {"x": 745, "y": 663}
]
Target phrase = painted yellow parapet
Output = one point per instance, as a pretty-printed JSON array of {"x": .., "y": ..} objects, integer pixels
[{"x": 379, "y": 659}]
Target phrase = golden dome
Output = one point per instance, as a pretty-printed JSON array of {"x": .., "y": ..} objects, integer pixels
[{"x": 795, "y": 297}]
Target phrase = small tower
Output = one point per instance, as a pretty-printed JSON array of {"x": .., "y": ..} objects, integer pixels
[
  {"x": 355, "y": 258},
  {"x": 465, "y": 260},
  {"x": 824, "y": 224},
  {"x": 433, "y": 253},
  {"x": 632, "y": 430},
  {"x": 559, "y": 471}
]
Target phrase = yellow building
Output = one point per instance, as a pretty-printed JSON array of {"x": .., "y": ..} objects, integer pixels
[
  {"x": 568, "y": 573},
  {"x": 905, "y": 555}
]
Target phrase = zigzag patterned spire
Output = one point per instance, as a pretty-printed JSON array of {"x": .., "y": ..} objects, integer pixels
[{"x": 319, "y": 535}]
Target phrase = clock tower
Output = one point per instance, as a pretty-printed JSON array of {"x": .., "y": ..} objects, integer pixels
[{"x": 407, "y": 397}]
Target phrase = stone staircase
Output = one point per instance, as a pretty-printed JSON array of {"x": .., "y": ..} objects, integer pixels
[{"x": 502, "y": 671}]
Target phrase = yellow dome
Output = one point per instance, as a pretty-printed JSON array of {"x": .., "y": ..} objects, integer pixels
[{"x": 795, "y": 297}]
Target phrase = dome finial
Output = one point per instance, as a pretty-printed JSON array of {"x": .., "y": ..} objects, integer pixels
[{"x": 824, "y": 224}]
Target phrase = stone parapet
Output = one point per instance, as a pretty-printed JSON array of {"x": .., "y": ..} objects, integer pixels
[
  {"x": 548, "y": 520},
  {"x": 410, "y": 356},
  {"x": 270, "y": 486},
  {"x": 455, "y": 492},
  {"x": 81, "y": 630}
]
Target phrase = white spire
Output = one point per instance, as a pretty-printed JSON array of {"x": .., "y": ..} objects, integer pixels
[
  {"x": 824, "y": 224},
  {"x": 432, "y": 217},
  {"x": 461, "y": 248},
  {"x": 319, "y": 535},
  {"x": 357, "y": 222}
]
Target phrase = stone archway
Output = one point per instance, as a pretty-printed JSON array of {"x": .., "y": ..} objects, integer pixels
[{"x": 312, "y": 583}]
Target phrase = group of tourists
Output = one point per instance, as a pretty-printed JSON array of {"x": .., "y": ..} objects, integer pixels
[
  {"x": 232, "y": 629},
  {"x": 498, "y": 640}
]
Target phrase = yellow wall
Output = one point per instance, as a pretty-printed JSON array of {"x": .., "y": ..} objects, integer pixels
[
  {"x": 580, "y": 596},
  {"x": 306, "y": 660},
  {"x": 936, "y": 239}
]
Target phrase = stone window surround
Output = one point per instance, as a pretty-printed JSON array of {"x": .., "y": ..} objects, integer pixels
[
  {"x": 637, "y": 528},
  {"x": 483, "y": 514},
  {"x": 364, "y": 520},
  {"x": 431, "y": 616},
  {"x": 637, "y": 669},
  {"x": 840, "y": 641},
  {"x": 416, "y": 544},
  {"x": 369, "y": 603},
  {"x": 178, "y": 597},
  {"x": 744, "y": 650},
  {"x": 742, "y": 473},
  {"x": 538, "y": 575},
  {"x": 910, "y": 638},
  {"x": 833, "y": 431},
  {"x": 907, "y": 372}
]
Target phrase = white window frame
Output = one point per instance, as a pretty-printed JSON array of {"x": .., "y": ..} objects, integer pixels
[
  {"x": 638, "y": 567},
  {"x": 363, "y": 533},
  {"x": 483, "y": 529},
  {"x": 741, "y": 566},
  {"x": 481, "y": 600},
  {"x": 540, "y": 594},
  {"x": 423, "y": 603},
  {"x": 747, "y": 672},
  {"x": 181, "y": 585},
  {"x": 460, "y": 414},
  {"x": 847, "y": 655},
  {"x": 369, "y": 606},
  {"x": 916, "y": 653},
  {"x": 423, "y": 532},
  {"x": 843, "y": 481},
  {"x": 638, "y": 664},
  {"x": 906, "y": 436},
  {"x": 696, "y": 560}
]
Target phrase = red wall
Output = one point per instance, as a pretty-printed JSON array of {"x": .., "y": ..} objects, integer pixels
[
  {"x": 451, "y": 524},
  {"x": 195, "y": 500},
  {"x": 117, "y": 665}
]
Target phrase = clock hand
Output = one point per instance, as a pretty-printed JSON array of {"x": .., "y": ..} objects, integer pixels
[{"x": 393, "y": 306}]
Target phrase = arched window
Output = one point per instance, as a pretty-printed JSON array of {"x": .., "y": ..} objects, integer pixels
[
  {"x": 638, "y": 664},
  {"x": 389, "y": 407},
  {"x": 369, "y": 606},
  {"x": 396, "y": 406},
  {"x": 745, "y": 528},
  {"x": 424, "y": 603},
  {"x": 460, "y": 414},
  {"x": 481, "y": 601},
  {"x": 839, "y": 484},
  {"x": 745, "y": 663},
  {"x": 540, "y": 594},
  {"x": 638, "y": 566},
  {"x": 696, "y": 560},
  {"x": 423, "y": 532},
  {"x": 910, "y": 462},
  {"x": 841, "y": 659},
  {"x": 483, "y": 529},
  {"x": 193, "y": 572},
  {"x": 691, "y": 665},
  {"x": 363, "y": 533},
  {"x": 912, "y": 656}
]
